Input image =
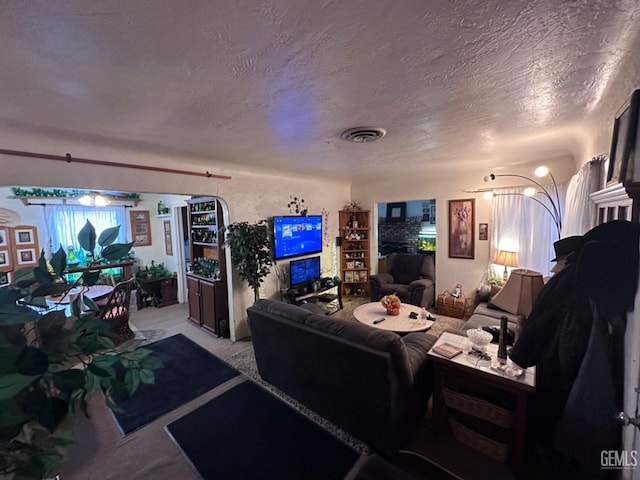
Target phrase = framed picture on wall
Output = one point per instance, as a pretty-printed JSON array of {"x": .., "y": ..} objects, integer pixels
[
  {"x": 396, "y": 212},
  {"x": 623, "y": 142},
  {"x": 483, "y": 231},
  {"x": 5, "y": 279},
  {"x": 5, "y": 259},
  {"x": 140, "y": 227},
  {"x": 26, "y": 256},
  {"x": 461, "y": 228},
  {"x": 4, "y": 237},
  {"x": 24, "y": 235},
  {"x": 168, "y": 243}
]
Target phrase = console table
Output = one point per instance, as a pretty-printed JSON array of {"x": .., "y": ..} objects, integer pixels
[
  {"x": 474, "y": 371},
  {"x": 306, "y": 293},
  {"x": 126, "y": 268}
]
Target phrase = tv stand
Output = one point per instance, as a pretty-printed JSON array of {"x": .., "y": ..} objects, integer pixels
[{"x": 322, "y": 296}]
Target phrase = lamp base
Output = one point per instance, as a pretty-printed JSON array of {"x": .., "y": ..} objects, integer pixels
[{"x": 505, "y": 275}]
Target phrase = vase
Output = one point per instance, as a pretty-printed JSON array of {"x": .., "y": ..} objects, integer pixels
[{"x": 393, "y": 311}]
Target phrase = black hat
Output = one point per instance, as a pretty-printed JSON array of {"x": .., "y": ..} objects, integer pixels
[{"x": 566, "y": 246}]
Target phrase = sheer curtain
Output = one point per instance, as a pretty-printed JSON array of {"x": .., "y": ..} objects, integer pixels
[
  {"x": 524, "y": 226},
  {"x": 580, "y": 212},
  {"x": 65, "y": 222}
]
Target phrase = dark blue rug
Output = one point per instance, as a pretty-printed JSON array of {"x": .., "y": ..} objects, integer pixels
[
  {"x": 248, "y": 433},
  {"x": 189, "y": 371}
]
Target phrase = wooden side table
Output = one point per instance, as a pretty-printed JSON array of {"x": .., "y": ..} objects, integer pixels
[{"x": 465, "y": 367}]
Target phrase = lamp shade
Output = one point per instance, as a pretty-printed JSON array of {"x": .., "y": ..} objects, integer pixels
[
  {"x": 506, "y": 258},
  {"x": 520, "y": 292}
]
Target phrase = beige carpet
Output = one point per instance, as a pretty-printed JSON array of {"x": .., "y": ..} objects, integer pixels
[{"x": 442, "y": 322}]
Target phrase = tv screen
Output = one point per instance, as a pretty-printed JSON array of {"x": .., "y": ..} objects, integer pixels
[
  {"x": 295, "y": 236},
  {"x": 303, "y": 271}
]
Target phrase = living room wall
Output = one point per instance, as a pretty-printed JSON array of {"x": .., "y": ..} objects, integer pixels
[
  {"x": 251, "y": 194},
  {"x": 444, "y": 184}
]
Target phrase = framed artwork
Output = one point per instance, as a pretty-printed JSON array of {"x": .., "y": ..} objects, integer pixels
[
  {"x": 5, "y": 279},
  {"x": 396, "y": 212},
  {"x": 140, "y": 227},
  {"x": 623, "y": 142},
  {"x": 5, "y": 259},
  {"x": 25, "y": 235},
  {"x": 483, "y": 231},
  {"x": 26, "y": 256},
  {"x": 432, "y": 216},
  {"x": 168, "y": 244},
  {"x": 4, "y": 237},
  {"x": 461, "y": 228}
]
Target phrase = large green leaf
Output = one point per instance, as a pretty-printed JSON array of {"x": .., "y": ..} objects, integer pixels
[
  {"x": 68, "y": 380},
  {"x": 116, "y": 251},
  {"x": 23, "y": 277},
  {"x": 12, "y": 383},
  {"x": 12, "y": 314},
  {"x": 90, "y": 277},
  {"x": 108, "y": 236},
  {"x": 9, "y": 295},
  {"x": 45, "y": 289},
  {"x": 87, "y": 237},
  {"x": 31, "y": 361},
  {"x": 59, "y": 261}
]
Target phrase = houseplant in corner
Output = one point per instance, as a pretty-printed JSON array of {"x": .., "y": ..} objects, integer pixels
[
  {"x": 250, "y": 246},
  {"x": 50, "y": 365}
]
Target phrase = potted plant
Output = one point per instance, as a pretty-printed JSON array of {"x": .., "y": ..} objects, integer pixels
[
  {"x": 250, "y": 246},
  {"x": 49, "y": 366}
]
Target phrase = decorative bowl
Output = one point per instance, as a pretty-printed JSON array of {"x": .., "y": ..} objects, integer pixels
[{"x": 479, "y": 337}]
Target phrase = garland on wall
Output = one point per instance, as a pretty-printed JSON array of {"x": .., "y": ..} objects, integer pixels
[{"x": 62, "y": 193}]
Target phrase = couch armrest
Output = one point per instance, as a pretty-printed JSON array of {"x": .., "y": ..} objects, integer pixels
[
  {"x": 381, "y": 278},
  {"x": 418, "y": 346},
  {"x": 420, "y": 284}
]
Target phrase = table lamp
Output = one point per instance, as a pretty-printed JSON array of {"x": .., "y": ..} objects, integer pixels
[
  {"x": 508, "y": 259},
  {"x": 520, "y": 292}
]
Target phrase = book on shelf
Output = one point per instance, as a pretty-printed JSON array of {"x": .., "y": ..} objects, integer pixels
[{"x": 447, "y": 350}]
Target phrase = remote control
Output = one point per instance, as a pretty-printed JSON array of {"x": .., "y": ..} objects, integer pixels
[{"x": 379, "y": 320}]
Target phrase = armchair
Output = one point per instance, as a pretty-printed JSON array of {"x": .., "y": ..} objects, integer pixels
[{"x": 411, "y": 276}]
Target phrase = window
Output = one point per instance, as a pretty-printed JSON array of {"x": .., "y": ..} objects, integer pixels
[{"x": 65, "y": 222}]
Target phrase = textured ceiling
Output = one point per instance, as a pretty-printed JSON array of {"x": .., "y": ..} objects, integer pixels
[{"x": 274, "y": 83}]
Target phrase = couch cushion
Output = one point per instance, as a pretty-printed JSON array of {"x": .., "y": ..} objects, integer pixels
[
  {"x": 484, "y": 309},
  {"x": 401, "y": 290},
  {"x": 290, "y": 312},
  {"x": 375, "y": 338},
  {"x": 407, "y": 268}
]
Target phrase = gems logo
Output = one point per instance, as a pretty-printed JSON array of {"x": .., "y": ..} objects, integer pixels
[{"x": 613, "y": 459}]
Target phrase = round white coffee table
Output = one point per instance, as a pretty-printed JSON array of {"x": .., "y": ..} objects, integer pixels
[{"x": 370, "y": 312}]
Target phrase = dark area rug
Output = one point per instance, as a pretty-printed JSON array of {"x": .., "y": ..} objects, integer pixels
[
  {"x": 189, "y": 371},
  {"x": 249, "y": 433}
]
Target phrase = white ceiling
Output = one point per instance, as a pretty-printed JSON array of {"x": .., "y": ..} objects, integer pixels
[{"x": 274, "y": 83}]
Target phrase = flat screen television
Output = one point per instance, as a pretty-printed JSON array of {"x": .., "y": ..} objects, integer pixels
[
  {"x": 303, "y": 271},
  {"x": 294, "y": 236}
]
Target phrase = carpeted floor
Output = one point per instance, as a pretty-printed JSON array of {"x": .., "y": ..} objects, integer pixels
[
  {"x": 189, "y": 371},
  {"x": 281, "y": 442}
]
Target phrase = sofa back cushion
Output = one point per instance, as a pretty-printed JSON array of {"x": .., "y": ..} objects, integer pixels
[
  {"x": 366, "y": 336},
  {"x": 407, "y": 267}
]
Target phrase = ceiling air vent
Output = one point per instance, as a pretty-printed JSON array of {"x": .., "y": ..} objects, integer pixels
[{"x": 363, "y": 134}]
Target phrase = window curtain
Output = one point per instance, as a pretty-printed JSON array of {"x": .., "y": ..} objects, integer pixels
[
  {"x": 524, "y": 226},
  {"x": 65, "y": 222},
  {"x": 580, "y": 212}
]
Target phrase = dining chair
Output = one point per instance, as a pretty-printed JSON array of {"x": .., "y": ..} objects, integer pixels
[{"x": 116, "y": 308}]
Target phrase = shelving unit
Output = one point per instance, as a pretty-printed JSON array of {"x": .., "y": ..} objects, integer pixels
[
  {"x": 355, "y": 252},
  {"x": 208, "y": 304}
]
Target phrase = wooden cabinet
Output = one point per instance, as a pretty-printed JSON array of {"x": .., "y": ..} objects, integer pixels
[
  {"x": 207, "y": 281},
  {"x": 208, "y": 306},
  {"x": 355, "y": 252},
  {"x": 205, "y": 221},
  {"x": 157, "y": 292}
]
